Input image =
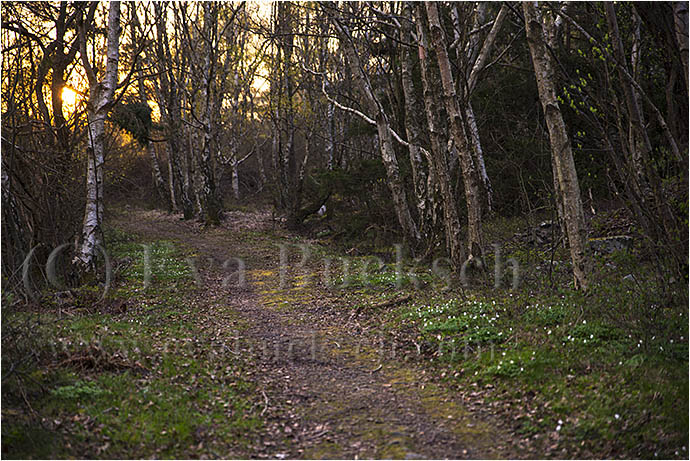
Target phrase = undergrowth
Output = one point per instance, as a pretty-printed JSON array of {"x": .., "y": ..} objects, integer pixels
[
  {"x": 602, "y": 374},
  {"x": 127, "y": 377}
]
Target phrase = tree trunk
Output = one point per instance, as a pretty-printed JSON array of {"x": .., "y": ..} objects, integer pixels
[
  {"x": 412, "y": 127},
  {"x": 211, "y": 206},
  {"x": 478, "y": 156},
  {"x": 561, "y": 150},
  {"x": 171, "y": 180},
  {"x": 235, "y": 165},
  {"x": 439, "y": 162},
  {"x": 469, "y": 175},
  {"x": 476, "y": 61},
  {"x": 101, "y": 95},
  {"x": 640, "y": 145},
  {"x": 330, "y": 136},
  {"x": 158, "y": 180},
  {"x": 169, "y": 102},
  {"x": 680, "y": 16},
  {"x": 402, "y": 210},
  {"x": 282, "y": 88}
]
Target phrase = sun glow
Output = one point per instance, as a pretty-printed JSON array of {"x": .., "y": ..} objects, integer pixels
[{"x": 69, "y": 97}]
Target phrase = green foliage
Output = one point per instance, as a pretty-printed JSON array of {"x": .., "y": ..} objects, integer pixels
[
  {"x": 470, "y": 322},
  {"x": 547, "y": 316},
  {"x": 372, "y": 273},
  {"x": 593, "y": 333},
  {"x": 164, "y": 260},
  {"x": 134, "y": 118},
  {"x": 79, "y": 390},
  {"x": 592, "y": 367}
]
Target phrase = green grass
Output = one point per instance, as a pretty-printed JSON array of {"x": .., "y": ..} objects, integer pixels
[
  {"x": 602, "y": 374},
  {"x": 613, "y": 394},
  {"x": 141, "y": 383},
  {"x": 370, "y": 272}
]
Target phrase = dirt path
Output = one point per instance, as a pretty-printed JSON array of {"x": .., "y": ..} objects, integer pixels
[{"x": 326, "y": 388}]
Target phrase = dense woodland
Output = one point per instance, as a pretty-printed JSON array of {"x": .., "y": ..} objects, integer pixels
[
  {"x": 430, "y": 124},
  {"x": 423, "y": 121}
]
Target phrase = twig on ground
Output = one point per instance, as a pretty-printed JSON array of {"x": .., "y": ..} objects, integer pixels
[{"x": 265, "y": 403}]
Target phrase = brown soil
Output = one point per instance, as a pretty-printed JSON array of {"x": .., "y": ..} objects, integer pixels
[{"x": 325, "y": 388}]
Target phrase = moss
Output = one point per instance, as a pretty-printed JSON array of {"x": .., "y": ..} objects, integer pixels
[{"x": 324, "y": 450}]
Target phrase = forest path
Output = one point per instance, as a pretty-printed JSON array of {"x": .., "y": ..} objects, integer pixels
[{"x": 327, "y": 389}]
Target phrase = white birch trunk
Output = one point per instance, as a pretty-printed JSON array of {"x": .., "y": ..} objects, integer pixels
[
  {"x": 210, "y": 205},
  {"x": 561, "y": 149},
  {"x": 469, "y": 174},
  {"x": 330, "y": 138},
  {"x": 479, "y": 155},
  {"x": 412, "y": 128},
  {"x": 235, "y": 165},
  {"x": 438, "y": 160},
  {"x": 171, "y": 180},
  {"x": 477, "y": 64},
  {"x": 101, "y": 95},
  {"x": 409, "y": 229},
  {"x": 155, "y": 166}
]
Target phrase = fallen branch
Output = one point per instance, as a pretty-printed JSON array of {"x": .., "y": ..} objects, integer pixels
[
  {"x": 387, "y": 303},
  {"x": 265, "y": 403}
]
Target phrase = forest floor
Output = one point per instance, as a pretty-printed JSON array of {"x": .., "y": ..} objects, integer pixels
[{"x": 298, "y": 360}]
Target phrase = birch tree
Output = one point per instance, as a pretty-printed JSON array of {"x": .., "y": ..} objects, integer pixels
[
  {"x": 640, "y": 144},
  {"x": 469, "y": 174},
  {"x": 168, "y": 95},
  {"x": 472, "y": 59},
  {"x": 374, "y": 106},
  {"x": 282, "y": 94},
  {"x": 438, "y": 160},
  {"x": 413, "y": 126},
  {"x": 204, "y": 104},
  {"x": 561, "y": 149},
  {"x": 138, "y": 35},
  {"x": 101, "y": 94}
]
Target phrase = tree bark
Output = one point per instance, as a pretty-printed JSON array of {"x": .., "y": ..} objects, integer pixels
[
  {"x": 330, "y": 136},
  {"x": 211, "y": 206},
  {"x": 469, "y": 175},
  {"x": 680, "y": 17},
  {"x": 438, "y": 161},
  {"x": 477, "y": 66},
  {"x": 412, "y": 126},
  {"x": 101, "y": 95},
  {"x": 168, "y": 94},
  {"x": 478, "y": 156},
  {"x": 561, "y": 149},
  {"x": 171, "y": 180},
  {"x": 639, "y": 142},
  {"x": 158, "y": 182},
  {"x": 402, "y": 210}
]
